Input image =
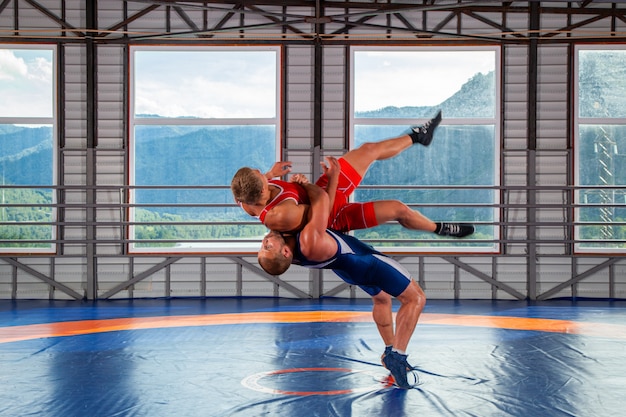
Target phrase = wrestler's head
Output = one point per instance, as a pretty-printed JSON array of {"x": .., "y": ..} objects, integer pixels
[
  {"x": 248, "y": 186},
  {"x": 274, "y": 256}
]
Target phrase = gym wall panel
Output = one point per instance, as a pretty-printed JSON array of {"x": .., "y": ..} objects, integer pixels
[
  {"x": 335, "y": 97},
  {"x": 111, "y": 97},
  {"x": 514, "y": 157},
  {"x": 515, "y": 97},
  {"x": 74, "y": 108},
  {"x": 553, "y": 94},
  {"x": 215, "y": 275},
  {"x": 299, "y": 95}
]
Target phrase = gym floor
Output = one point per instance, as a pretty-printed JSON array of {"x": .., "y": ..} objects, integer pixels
[{"x": 287, "y": 357}]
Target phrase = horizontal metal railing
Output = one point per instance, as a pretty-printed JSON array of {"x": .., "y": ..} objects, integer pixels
[{"x": 121, "y": 221}]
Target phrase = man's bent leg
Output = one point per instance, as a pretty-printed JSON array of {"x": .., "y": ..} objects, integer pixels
[
  {"x": 394, "y": 210},
  {"x": 383, "y": 316},
  {"x": 413, "y": 301}
]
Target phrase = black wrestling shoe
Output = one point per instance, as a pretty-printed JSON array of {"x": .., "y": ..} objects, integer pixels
[
  {"x": 399, "y": 367},
  {"x": 456, "y": 229},
  {"x": 424, "y": 134},
  {"x": 385, "y": 353}
]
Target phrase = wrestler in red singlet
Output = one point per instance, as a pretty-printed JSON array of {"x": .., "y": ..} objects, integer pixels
[
  {"x": 288, "y": 191},
  {"x": 344, "y": 216}
]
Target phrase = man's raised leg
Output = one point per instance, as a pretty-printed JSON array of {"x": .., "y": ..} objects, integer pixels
[{"x": 362, "y": 157}]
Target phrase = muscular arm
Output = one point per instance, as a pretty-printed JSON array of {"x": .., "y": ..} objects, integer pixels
[
  {"x": 289, "y": 216},
  {"x": 332, "y": 171},
  {"x": 315, "y": 243}
]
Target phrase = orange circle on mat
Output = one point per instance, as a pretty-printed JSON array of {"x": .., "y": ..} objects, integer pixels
[
  {"x": 252, "y": 382},
  {"x": 80, "y": 327}
]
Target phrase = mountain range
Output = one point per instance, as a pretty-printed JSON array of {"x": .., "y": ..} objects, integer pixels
[{"x": 175, "y": 155}]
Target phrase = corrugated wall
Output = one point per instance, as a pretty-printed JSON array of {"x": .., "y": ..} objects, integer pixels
[{"x": 116, "y": 274}]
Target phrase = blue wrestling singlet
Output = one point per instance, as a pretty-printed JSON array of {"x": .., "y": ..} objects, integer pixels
[{"x": 360, "y": 264}]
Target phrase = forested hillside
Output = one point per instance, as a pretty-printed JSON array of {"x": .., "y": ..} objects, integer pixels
[{"x": 198, "y": 156}]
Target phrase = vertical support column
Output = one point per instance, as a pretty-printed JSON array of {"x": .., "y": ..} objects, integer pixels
[
  {"x": 131, "y": 274},
  {"x": 203, "y": 277},
  {"x": 14, "y": 282},
  {"x": 284, "y": 109},
  {"x": 457, "y": 281},
  {"x": 125, "y": 192},
  {"x": 612, "y": 281},
  {"x": 494, "y": 274},
  {"x": 574, "y": 286},
  {"x": 168, "y": 281},
  {"x": 421, "y": 271},
  {"x": 90, "y": 180},
  {"x": 51, "y": 274},
  {"x": 239, "y": 281},
  {"x": 531, "y": 175},
  {"x": 315, "y": 275},
  {"x": 60, "y": 197}
]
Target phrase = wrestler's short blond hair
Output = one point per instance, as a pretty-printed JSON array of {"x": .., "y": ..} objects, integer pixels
[{"x": 246, "y": 186}]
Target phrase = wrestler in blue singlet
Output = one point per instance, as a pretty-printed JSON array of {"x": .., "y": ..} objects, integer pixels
[{"x": 360, "y": 264}]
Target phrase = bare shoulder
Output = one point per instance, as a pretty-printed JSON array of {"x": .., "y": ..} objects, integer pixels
[
  {"x": 288, "y": 216},
  {"x": 316, "y": 246}
]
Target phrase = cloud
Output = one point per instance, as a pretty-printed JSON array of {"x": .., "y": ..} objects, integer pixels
[
  {"x": 230, "y": 85},
  {"x": 26, "y": 83},
  {"x": 40, "y": 70},
  {"x": 201, "y": 97},
  {"x": 413, "y": 78},
  {"x": 12, "y": 68},
  {"x": 239, "y": 84}
]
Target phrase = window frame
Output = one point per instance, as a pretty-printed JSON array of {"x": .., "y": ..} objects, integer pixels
[
  {"x": 578, "y": 121},
  {"x": 494, "y": 245},
  {"x": 52, "y": 121},
  {"x": 189, "y": 247}
]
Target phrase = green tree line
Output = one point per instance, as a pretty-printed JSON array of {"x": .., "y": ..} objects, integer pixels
[{"x": 19, "y": 206}]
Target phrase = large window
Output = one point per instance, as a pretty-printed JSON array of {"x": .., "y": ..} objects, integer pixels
[
  {"x": 27, "y": 148},
  {"x": 600, "y": 134},
  {"x": 198, "y": 115},
  {"x": 455, "y": 179}
]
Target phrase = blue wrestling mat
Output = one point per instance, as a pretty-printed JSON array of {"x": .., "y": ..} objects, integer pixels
[{"x": 285, "y": 357}]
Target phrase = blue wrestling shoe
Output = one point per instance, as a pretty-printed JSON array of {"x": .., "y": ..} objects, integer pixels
[{"x": 399, "y": 367}]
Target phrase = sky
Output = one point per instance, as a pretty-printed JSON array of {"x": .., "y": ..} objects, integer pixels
[
  {"x": 411, "y": 78},
  {"x": 26, "y": 83},
  {"x": 390, "y": 78},
  {"x": 181, "y": 83}
]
